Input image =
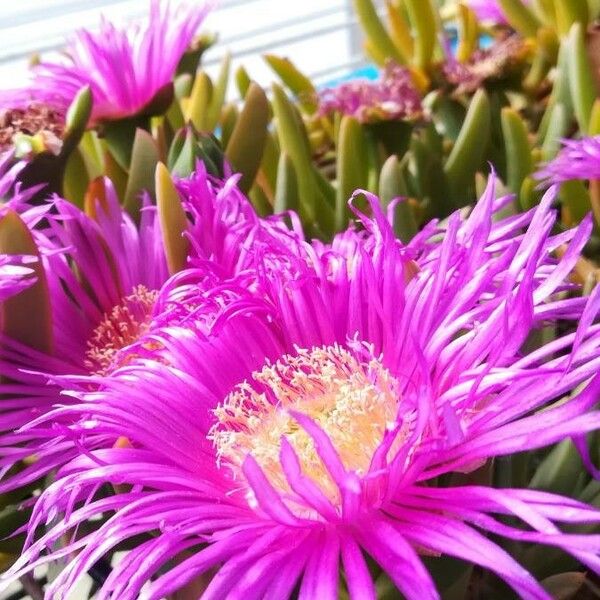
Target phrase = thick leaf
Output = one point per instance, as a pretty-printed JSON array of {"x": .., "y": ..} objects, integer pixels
[
  {"x": 26, "y": 317},
  {"x": 469, "y": 149},
  {"x": 76, "y": 178},
  {"x": 376, "y": 34},
  {"x": 247, "y": 142},
  {"x": 520, "y": 17},
  {"x": 286, "y": 192},
  {"x": 300, "y": 85},
  {"x": 199, "y": 102},
  {"x": 400, "y": 30},
  {"x": 581, "y": 79},
  {"x": 77, "y": 118},
  {"x": 518, "y": 151},
  {"x": 173, "y": 222},
  {"x": 144, "y": 157},
  {"x": 352, "y": 167},
  {"x": 424, "y": 19},
  {"x": 392, "y": 186},
  {"x": 218, "y": 94}
]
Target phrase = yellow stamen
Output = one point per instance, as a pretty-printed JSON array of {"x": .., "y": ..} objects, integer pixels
[
  {"x": 353, "y": 400},
  {"x": 124, "y": 325}
]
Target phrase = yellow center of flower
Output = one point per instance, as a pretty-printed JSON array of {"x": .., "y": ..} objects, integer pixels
[
  {"x": 119, "y": 328},
  {"x": 353, "y": 400}
]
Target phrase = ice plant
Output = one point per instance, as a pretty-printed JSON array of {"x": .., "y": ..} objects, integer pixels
[
  {"x": 103, "y": 272},
  {"x": 392, "y": 97},
  {"x": 127, "y": 67},
  {"x": 302, "y": 425},
  {"x": 577, "y": 159}
]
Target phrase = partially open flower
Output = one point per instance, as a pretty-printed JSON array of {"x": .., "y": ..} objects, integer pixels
[
  {"x": 393, "y": 97},
  {"x": 129, "y": 69},
  {"x": 306, "y": 425}
]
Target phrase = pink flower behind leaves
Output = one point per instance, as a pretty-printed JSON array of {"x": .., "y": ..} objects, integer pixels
[{"x": 393, "y": 97}]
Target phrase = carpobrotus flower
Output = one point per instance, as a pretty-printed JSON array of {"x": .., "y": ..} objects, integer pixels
[
  {"x": 497, "y": 62},
  {"x": 102, "y": 273},
  {"x": 303, "y": 427},
  {"x": 392, "y": 97},
  {"x": 578, "y": 159},
  {"x": 127, "y": 68}
]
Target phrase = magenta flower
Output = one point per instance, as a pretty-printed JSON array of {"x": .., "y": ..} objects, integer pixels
[
  {"x": 392, "y": 97},
  {"x": 489, "y": 10},
  {"x": 303, "y": 424},
  {"x": 103, "y": 273},
  {"x": 15, "y": 274},
  {"x": 578, "y": 159},
  {"x": 127, "y": 68}
]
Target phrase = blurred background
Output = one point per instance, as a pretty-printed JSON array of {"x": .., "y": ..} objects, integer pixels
[{"x": 321, "y": 35}]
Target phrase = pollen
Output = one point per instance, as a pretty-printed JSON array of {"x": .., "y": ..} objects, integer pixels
[
  {"x": 119, "y": 328},
  {"x": 353, "y": 399}
]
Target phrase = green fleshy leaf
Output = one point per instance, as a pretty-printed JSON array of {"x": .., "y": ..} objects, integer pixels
[
  {"x": 242, "y": 80},
  {"x": 26, "y": 317},
  {"x": 247, "y": 142},
  {"x": 143, "y": 163},
  {"x": 569, "y": 12},
  {"x": 76, "y": 178},
  {"x": 424, "y": 19},
  {"x": 376, "y": 34},
  {"x": 518, "y": 151},
  {"x": 199, "y": 102},
  {"x": 294, "y": 141},
  {"x": 391, "y": 186},
  {"x": 228, "y": 122},
  {"x": 581, "y": 79},
  {"x": 400, "y": 32},
  {"x": 469, "y": 149},
  {"x": 77, "y": 118},
  {"x": 286, "y": 192},
  {"x": 300, "y": 85},
  {"x": 559, "y": 470},
  {"x": 352, "y": 167},
  {"x": 173, "y": 222},
  {"x": 520, "y": 17},
  {"x": 218, "y": 94}
]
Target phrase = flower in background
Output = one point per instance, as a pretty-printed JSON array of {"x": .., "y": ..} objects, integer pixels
[
  {"x": 128, "y": 68},
  {"x": 489, "y": 10},
  {"x": 392, "y": 97},
  {"x": 21, "y": 115},
  {"x": 302, "y": 427},
  {"x": 496, "y": 62},
  {"x": 578, "y": 159}
]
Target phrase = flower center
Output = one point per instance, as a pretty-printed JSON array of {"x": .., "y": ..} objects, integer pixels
[
  {"x": 354, "y": 400},
  {"x": 122, "y": 326},
  {"x": 35, "y": 118}
]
